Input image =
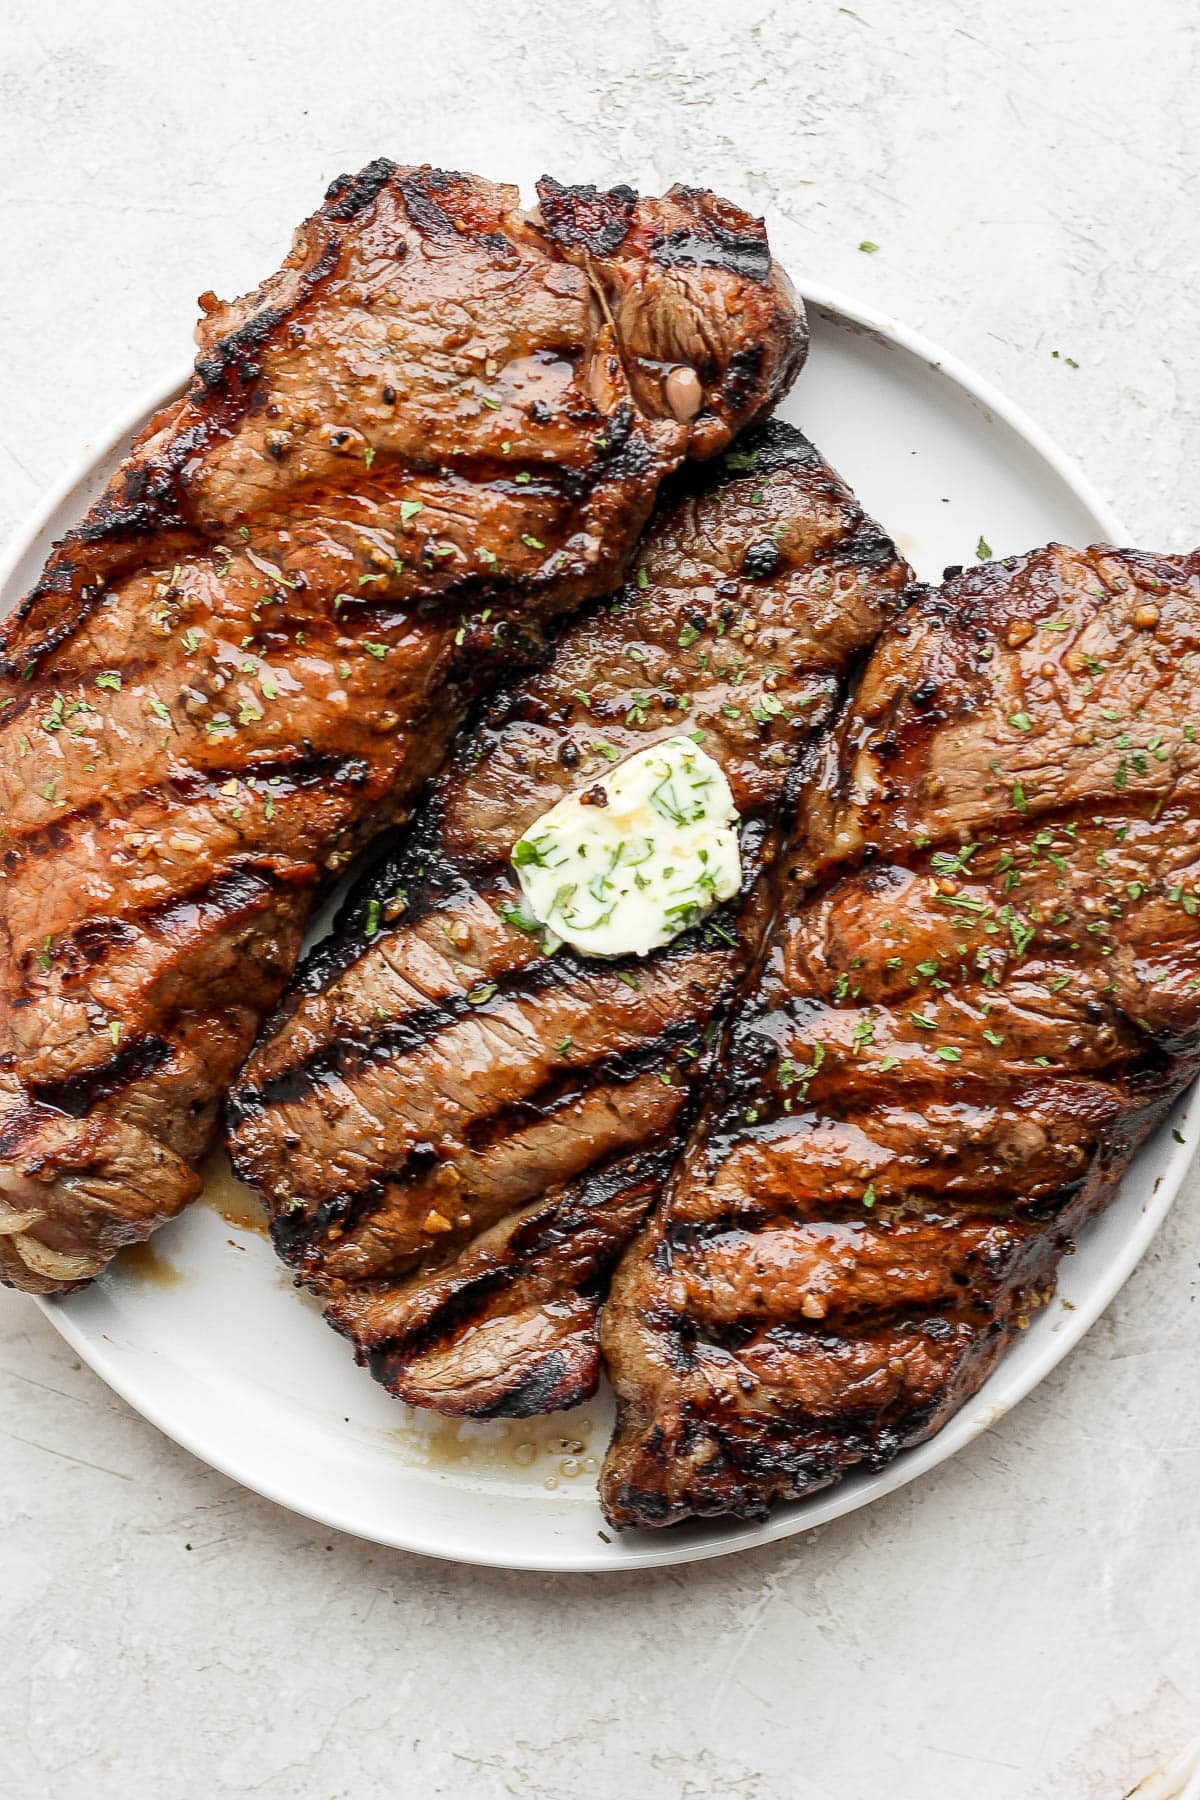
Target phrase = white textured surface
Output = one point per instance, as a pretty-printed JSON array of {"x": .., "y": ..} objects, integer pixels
[{"x": 1021, "y": 1626}]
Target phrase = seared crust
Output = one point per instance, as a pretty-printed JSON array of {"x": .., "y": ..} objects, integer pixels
[
  {"x": 437, "y": 424},
  {"x": 456, "y": 1132},
  {"x": 982, "y": 992}
]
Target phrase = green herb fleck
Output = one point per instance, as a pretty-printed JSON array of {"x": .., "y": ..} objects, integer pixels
[{"x": 526, "y": 851}]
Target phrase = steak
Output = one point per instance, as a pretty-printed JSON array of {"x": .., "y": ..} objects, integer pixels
[
  {"x": 980, "y": 994},
  {"x": 439, "y": 423},
  {"x": 457, "y": 1131}
]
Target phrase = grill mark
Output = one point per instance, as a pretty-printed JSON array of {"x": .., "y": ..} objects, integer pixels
[
  {"x": 985, "y": 1275},
  {"x": 37, "y": 694},
  {"x": 308, "y": 768},
  {"x": 227, "y": 892},
  {"x": 54, "y": 585},
  {"x": 588, "y": 1194},
  {"x": 238, "y": 354},
  {"x": 938, "y": 1201},
  {"x": 749, "y": 1218},
  {"x": 763, "y": 1456},
  {"x": 564, "y": 481},
  {"x": 563, "y": 1089},
  {"x": 540, "y": 1234},
  {"x": 584, "y": 217},
  {"x": 78, "y": 1093},
  {"x": 424, "y": 212},
  {"x": 938, "y": 1322},
  {"x": 426, "y": 882},
  {"x": 714, "y": 247},
  {"x": 475, "y": 473},
  {"x": 622, "y": 461},
  {"x": 353, "y": 1050},
  {"x": 411, "y": 1031},
  {"x": 626, "y": 459},
  {"x": 534, "y": 1393},
  {"x": 231, "y": 890},
  {"x": 842, "y": 1101},
  {"x": 299, "y": 1233},
  {"x": 153, "y": 488},
  {"x": 1006, "y": 832},
  {"x": 19, "y": 1123},
  {"x": 380, "y": 613},
  {"x": 348, "y": 195}
]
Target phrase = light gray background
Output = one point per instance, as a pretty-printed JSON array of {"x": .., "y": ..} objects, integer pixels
[{"x": 1023, "y": 1624}]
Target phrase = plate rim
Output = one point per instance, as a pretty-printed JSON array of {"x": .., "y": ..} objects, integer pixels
[{"x": 647, "y": 1549}]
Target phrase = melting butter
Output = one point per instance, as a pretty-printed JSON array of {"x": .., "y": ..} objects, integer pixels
[{"x": 622, "y": 867}]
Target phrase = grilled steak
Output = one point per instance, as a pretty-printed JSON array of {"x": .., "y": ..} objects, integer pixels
[
  {"x": 981, "y": 993},
  {"x": 438, "y": 423},
  {"x": 457, "y": 1132}
]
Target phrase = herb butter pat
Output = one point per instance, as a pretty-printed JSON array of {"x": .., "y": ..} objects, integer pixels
[{"x": 622, "y": 867}]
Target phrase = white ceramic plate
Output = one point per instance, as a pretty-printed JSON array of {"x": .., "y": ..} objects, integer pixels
[{"x": 204, "y": 1333}]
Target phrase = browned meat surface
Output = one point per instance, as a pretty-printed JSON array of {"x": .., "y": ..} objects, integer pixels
[
  {"x": 982, "y": 991},
  {"x": 457, "y": 1132},
  {"x": 438, "y": 423}
]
